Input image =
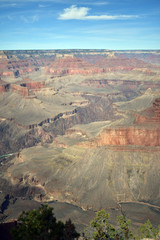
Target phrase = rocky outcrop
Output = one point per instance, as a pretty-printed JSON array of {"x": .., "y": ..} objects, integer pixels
[
  {"x": 33, "y": 85},
  {"x": 14, "y": 88},
  {"x": 7, "y": 74},
  {"x": 129, "y": 136},
  {"x": 98, "y": 109},
  {"x": 122, "y": 84},
  {"x": 19, "y": 89},
  {"x": 151, "y": 115},
  {"x": 23, "y": 88},
  {"x": 108, "y": 163},
  {"x": 144, "y": 132},
  {"x": 122, "y": 62},
  {"x": 2, "y": 88},
  {"x": 72, "y": 66}
]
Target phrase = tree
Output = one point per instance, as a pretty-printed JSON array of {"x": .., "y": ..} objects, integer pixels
[
  {"x": 147, "y": 230},
  {"x": 69, "y": 231},
  {"x": 124, "y": 228},
  {"x": 100, "y": 228},
  {"x": 40, "y": 225}
]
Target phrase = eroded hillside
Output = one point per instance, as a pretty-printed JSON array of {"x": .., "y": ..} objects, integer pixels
[{"x": 83, "y": 127}]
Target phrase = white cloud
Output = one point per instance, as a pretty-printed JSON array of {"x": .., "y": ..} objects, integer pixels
[
  {"x": 74, "y": 13},
  {"x": 31, "y": 19},
  {"x": 42, "y": 6},
  {"x": 81, "y": 13},
  {"x": 97, "y": 3}
]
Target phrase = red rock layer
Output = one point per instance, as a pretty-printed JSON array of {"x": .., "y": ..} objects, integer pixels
[
  {"x": 19, "y": 89},
  {"x": 151, "y": 115},
  {"x": 14, "y": 88},
  {"x": 71, "y": 66},
  {"x": 122, "y": 62},
  {"x": 7, "y": 74},
  {"x": 10, "y": 66},
  {"x": 33, "y": 85},
  {"x": 146, "y": 132},
  {"x": 129, "y": 136},
  {"x": 2, "y": 88},
  {"x": 23, "y": 88},
  {"x": 124, "y": 84}
]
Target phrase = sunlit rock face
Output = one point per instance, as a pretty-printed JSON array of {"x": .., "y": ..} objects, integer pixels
[
  {"x": 145, "y": 130},
  {"x": 129, "y": 136},
  {"x": 83, "y": 126},
  {"x": 72, "y": 66},
  {"x": 150, "y": 116}
]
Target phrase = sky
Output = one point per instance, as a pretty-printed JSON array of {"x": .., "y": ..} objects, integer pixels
[{"x": 74, "y": 24}]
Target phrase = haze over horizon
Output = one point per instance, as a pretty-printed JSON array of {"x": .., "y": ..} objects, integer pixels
[{"x": 64, "y": 24}]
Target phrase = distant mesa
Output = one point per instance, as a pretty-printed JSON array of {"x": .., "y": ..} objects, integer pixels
[
  {"x": 23, "y": 89},
  {"x": 71, "y": 66}
]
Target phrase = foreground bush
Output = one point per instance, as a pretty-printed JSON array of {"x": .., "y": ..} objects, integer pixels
[
  {"x": 42, "y": 225},
  {"x": 101, "y": 229}
]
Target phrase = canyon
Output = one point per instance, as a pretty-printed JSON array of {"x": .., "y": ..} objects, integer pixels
[{"x": 80, "y": 129}]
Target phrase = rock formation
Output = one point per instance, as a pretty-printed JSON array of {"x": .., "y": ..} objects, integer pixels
[
  {"x": 72, "y": 66},
  {"x": 81, "y": 126}
]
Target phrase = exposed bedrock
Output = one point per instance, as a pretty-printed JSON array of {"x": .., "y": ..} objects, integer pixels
[
  {"x": 122, "y": 85},
  {"x": 150, "y": 116},
  {"x": 99, "y": 109},
  {"x": 73, "y": 65},
  {"x": 23, "y": 88},
  {"x": 19, "y": 89},
  {"x": 129, "y": 136},
  {"x": 33, "y": 85},
  {"x": 94, "y": 166},
  {"x": 144, "y": 131},
  {"x": 20, "y": 190},
  {"x": 15, "y": 136},
  {"x": 106, "y": 177},
  {"x": 90, "y": 178},
  {"x": 121, "y": 164}
]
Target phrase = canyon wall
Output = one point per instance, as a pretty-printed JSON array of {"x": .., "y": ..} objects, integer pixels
[
  {"x": 79, "y": 119},
  {"x": 129, "y": 136}
]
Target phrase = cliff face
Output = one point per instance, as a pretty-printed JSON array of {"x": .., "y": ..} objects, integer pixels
[
  {"x": 129, "y": 136},
  {"x": 34, "y": 85},
  {"x": 23, "y": 88},
  {"x": 144, "y": 132},
  {"x": 123, "y": 85},
  {"x": 80, "y": 120},
  {"x": 19, "y": 89},
  {"x": 72, "y": 66},
  {"x": 123, "y": 62},
  {"x": 151, "y": 115},
  {"x": 2, "y": 88}
]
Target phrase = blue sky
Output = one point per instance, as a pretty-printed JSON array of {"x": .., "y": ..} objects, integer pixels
[{"x": 73, "y": 24}]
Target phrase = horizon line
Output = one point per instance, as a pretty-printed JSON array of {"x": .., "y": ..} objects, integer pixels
[{"x": 77, "y": 49}]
